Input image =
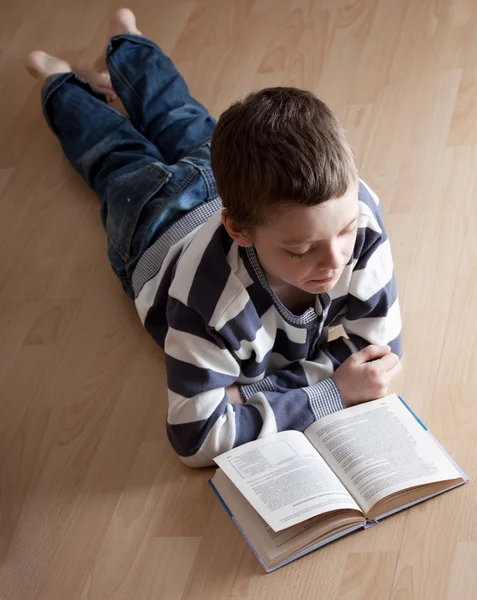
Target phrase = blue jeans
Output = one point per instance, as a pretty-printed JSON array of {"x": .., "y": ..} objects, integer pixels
[{"x": 148, "y": 170}]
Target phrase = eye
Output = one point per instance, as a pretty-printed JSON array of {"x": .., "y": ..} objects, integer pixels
[
  {"x": 350, "y": 229},
  {"x": 297, "y": 256}
]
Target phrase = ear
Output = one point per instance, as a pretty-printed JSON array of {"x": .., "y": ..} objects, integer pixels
[{"x": 236, "y": 232}]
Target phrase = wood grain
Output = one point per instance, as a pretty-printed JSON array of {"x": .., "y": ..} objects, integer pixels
[{"x": 93, "y": 503}]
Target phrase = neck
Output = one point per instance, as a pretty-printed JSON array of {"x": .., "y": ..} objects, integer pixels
[{"x": 297, "y": 301}]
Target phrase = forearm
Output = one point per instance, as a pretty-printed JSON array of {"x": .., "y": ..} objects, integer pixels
[
  {"x": 200, "y": 428},
  {"x": 382, "y": 330},
  {"x": 207, "y": 425},
  {"x": 310, "y": 380}
]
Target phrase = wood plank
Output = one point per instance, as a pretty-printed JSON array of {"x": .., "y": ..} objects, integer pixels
[{"x": 94, "y": 505}]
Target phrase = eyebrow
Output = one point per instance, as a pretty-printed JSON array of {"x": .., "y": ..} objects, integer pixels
[{"x": 302, "y": 242}]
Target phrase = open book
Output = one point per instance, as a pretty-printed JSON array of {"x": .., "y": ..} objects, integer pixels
[{"x": 292, "y": 492}]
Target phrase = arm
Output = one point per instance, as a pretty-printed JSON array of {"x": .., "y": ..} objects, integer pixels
[
  {"x": 373, "y": 315},
  {"x": 371, "y": 352},
  {"x": 314, "y": 376},
  {"x": 372, "y": 319},
  {"x": 201, "y": 422}
]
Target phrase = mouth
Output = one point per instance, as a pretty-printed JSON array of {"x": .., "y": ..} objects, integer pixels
[{"x": 325, "y": 280}]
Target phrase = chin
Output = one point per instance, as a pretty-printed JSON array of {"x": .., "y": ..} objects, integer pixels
[{"x": 327, "y": 287}]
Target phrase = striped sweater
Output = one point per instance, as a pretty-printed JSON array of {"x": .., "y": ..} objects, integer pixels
[{"x": 207, "y": 303}]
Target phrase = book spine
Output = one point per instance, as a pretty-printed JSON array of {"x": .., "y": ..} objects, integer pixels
[
  {"x": 413, "y": 414},
  {"x": 229, "y": 512}
]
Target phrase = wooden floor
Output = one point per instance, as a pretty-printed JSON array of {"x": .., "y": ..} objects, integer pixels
[{"x": 94, "y": 504}]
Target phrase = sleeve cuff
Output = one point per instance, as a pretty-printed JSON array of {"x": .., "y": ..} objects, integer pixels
[
  {"x": 324, "y": 397},
  {"x": 248, "y": 390}
]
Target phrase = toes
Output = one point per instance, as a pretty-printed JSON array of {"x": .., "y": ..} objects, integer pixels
[
  {"x": 101, "y": 81},
  {"x": 110, "y": 95}
]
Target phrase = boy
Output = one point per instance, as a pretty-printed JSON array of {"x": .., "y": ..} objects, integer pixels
[{"x": 240, "y": 290}]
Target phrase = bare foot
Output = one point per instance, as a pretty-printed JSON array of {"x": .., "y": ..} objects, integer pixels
[
  {"x": 42, "y": 65},
  {"x": 100, "y": 80},
  {"x": 122, "y": 21}
]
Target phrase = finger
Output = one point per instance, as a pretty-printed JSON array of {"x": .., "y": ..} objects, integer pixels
[
  {"x": 387, "y": 362},
  {"x": 391, "y": 374},
  {"x": 372, "y": 352}
]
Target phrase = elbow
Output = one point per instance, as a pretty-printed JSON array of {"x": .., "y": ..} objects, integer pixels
[
  {"x": 198, "y": 443},
  {"x": 197, "y": 462},
  {"x": 186, "y": 442}
]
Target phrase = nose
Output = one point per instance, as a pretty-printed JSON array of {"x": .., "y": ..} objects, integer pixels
[{"x": 331, "y": 259}]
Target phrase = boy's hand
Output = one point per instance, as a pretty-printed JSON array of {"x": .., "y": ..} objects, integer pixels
[
  {"x": 366, "y": 374},
  {"x": 233, "y": 395}
]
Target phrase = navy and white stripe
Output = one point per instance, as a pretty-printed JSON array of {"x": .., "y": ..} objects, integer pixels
[{"x": 208, "y": 304}]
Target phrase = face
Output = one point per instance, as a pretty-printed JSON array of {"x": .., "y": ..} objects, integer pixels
[{"x": 308, "y": 247}]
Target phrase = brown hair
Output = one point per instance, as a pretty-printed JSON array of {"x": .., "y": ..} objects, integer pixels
[{"x": 279, "y": 145}]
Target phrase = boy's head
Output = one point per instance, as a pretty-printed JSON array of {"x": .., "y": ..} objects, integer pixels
[{"x": 289, "y": 185}]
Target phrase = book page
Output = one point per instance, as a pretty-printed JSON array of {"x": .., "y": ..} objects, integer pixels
[
  {"x": 285, "y": 479},
  {"x": 378, "y": 449},
  {"x": 273, "y": 546}
]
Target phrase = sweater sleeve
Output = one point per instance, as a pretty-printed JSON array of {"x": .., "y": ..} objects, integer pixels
[
  {"x": 313, "y": 377},
  {"x": 373, "y": 315},
  {"x": 201, "y": 423}
]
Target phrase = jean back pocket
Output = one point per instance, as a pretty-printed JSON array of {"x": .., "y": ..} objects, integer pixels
[{"x": 125, "y": 200}]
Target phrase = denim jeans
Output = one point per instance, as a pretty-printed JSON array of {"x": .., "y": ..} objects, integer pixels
[{"x": 149, "y": 169}]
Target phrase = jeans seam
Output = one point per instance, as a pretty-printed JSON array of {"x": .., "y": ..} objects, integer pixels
[
  {"x": 125, "y": 82},
  {"x": 209, "y": 182}
]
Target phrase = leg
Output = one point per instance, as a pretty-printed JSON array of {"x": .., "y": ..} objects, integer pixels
[
  {"x": 153, "y": 91},
  {"x": 120, "y": 164},
  {"x": 97, "y": 139}
]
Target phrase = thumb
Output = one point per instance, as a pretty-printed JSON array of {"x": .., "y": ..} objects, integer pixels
[{"x": 372, "y": 352}]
